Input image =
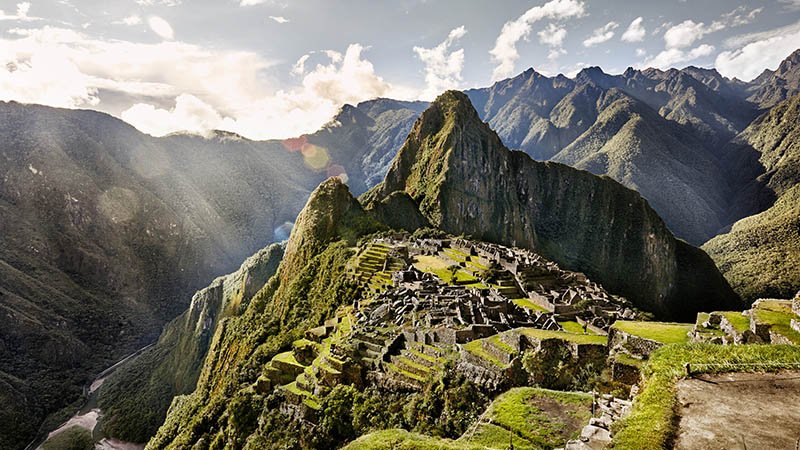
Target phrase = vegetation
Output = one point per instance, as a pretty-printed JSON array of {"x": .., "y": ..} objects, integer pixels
[
  {"x": 760, "y": 256},
  {"x": 779, "y": 315},
  {"x": 651, "y": 423},
  {"x": 666, "y": 333},
  {"x": 73, "y": 438}
]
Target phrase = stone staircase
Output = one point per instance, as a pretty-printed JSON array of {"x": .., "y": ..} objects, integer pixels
[{"x": 414, "y": 365}]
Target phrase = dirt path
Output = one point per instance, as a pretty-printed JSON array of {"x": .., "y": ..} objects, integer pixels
[{"x": 740, "y": 411}]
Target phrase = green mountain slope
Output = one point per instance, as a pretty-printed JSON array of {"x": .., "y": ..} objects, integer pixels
[{"x": 466, "y": 181}]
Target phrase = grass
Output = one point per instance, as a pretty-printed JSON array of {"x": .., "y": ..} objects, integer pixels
[
  {"x": 536, "y": 418},
  {"x": 740, "y": 323},
  {"x": 569, "y": 337},
  {"x": 628, "y": 360},
  {"x": 651, "y": 423},
  {"x": 287, "y": 357},
  {"x": 571, "y": 326},
  {"x": 531, "y": 418},
  {"x": 527, "y": 303},
  {"x": 439, "y": 267},
  {"x": 396, "y": 439},
  {"x": 779, "y": 315},
  {"x": 664, "y": 332},
  {"x": 476, "y": 348},
  {"x": 394, "y": 368}
]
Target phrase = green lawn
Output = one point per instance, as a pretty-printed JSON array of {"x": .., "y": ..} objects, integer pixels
[
  {"x": 578, "y": 338},
  {"x": 740, "y": 322},
  {"x": 476, "y": 348},
  {"x": 404, "y": 440},
  {"x": 651, "y": 423},
  {"x": 527, "y": 303},
  {"x": 778, "y": 314},
  {"x": 664, "y": 332}
]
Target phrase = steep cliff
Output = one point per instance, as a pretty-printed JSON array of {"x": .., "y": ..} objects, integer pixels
[
  {"x": 135, "y": 398},
  {"x": 466, "y": 181}
]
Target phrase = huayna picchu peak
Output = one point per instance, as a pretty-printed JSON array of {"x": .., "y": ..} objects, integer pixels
[
  {"x": 454, "y": 226},
  {"x": 466, "y": 182}
]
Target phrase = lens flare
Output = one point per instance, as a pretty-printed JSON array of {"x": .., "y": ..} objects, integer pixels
[
  {"x": 283, "y": 232},
  {"x": 315, "y": 157},
  {"x": 335, "y": 170}
]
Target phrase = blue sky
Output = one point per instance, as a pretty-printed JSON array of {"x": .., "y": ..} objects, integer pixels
[{"x": 278, "y": 68}]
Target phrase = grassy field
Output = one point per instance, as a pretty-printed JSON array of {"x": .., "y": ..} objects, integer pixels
[
  {"x": 527, "y": 303},
  {"x": 664, "y": 332},
  {"x": 778, "y": 314},
  {"x": 740, "y": 322},
  {"x": 651, "y": 423},
  {"x": 578, "y": 338}
]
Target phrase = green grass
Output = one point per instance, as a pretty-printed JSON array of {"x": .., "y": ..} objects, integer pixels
[
  {"x": 740, "y": 323},
  {"x": 396, "y": 439},
  {"x": 419, "y": 354},
  {"x": 527, "y": 303},
  {"x": 666, "y": 333},
  {"x": 571, "y": 326},
  {"x": 779, "y": 315},
  {"x": 525, "y": 413},
  {"x": 287, "y": 357},
  {"x": 528, "y": 413},
  {"x": 476, "y": 348},
  {"x": 396, "y": 369},
  {"x": 570, "y": 337},
  {"x": 651, "y": 423},
  {"x": 626, "y": 359}
]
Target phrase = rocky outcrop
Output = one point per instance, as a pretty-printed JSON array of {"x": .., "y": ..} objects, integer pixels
[{"x": 466, "y": 182}]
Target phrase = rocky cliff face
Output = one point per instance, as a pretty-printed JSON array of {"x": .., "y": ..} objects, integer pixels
[
  {"x": 771, "y": 88},
  {"x": 466, "y": 181},
  {"x": 135, "y": 398}
]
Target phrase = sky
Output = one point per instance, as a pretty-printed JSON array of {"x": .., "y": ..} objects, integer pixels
[{"x": 279, "y": 68}]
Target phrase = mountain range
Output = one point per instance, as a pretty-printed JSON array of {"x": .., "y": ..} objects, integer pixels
[{"x": 107, "y": 231}]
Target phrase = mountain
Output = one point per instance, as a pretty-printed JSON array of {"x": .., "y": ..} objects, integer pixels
[
  {"x": 767, "y": 157},
  {"x": 466, "y": 182},
  {"x": 171, "y": 366},
  {"x": 363, "y": 139},
  {"x": 259, "y": 386},
  {"x": 760, "y": 256},
  {"x": 107, "y": 232},
  {"x": 770, "y": 88}
]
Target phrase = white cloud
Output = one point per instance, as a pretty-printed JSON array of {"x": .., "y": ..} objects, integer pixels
[
  {"x": 251, "y": 2},
  {"x": 442, "y": 66},
  {"x": 158, "y": 2},
  {"x": 640, "y": 52},
  {"x": 758, "y": 52},
  {"x": 299, "y": 68},
  {"x": 553, "y": 35},
  {"x": 635, "y": 31},
  {"x": 131, "y": 20},
  {"x": 602, "y": 34},
  {"x": 687, "y": 32},
  {"x": 673, "y": 56},
  {"x": 161, "y": 27},
  {"x": 504, "y": 52},
  {"x": 20, "y": 15},
  {"x": 282, "y": 114},
  {"x": 189, "y": 114},
  {"x": 279, "y": 19}
]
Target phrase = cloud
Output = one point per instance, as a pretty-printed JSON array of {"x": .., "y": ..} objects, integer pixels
[
  {"x": 602, "y": 34},
  {"x": 20, "y": 15},
  {"x": 189, "y": 114},
  {"x": 672, "y": 56},
  {"x": 161, "y": 27},
  {"x": 282, "y": 114},
  {"x": 251, "y": 2},
  {"x": 131, "y": 20},
  {"x": 640, "y": 52},
  {"x": 757, "y": 52},
  {"x": 299, "y": 68},
  {"x": 553, "y": 35},
  {"x": 635, "y": 31},
  {"x": 687, "y": 32},
  {"x": 442, "y": 66},
  {"x": 279, "y": 19},
  {"x": 504, "y": 52},
  {"x": 159, "y": 2}
]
